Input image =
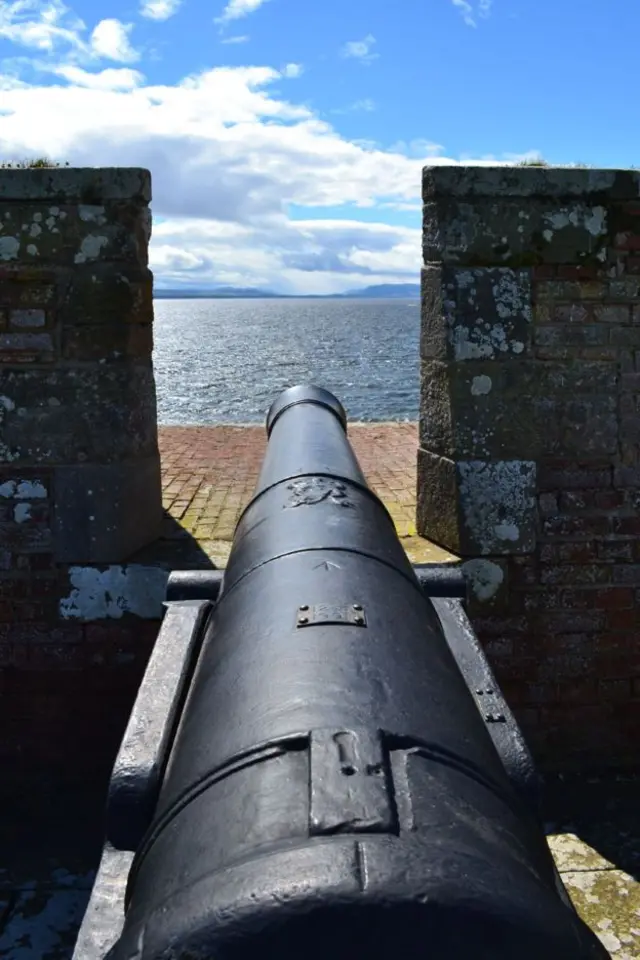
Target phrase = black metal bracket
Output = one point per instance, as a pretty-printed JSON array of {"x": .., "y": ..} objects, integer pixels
[
  {"x": 436, "y": 580},
  {"x": 194, "y": 585},
  {"x": 501, "y": 724},
  {"x": 139, "y": 767},
  {"x": 441, "y": 579}
]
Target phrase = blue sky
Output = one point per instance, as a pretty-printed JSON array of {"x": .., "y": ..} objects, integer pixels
[{"x": 286, "y": 137}]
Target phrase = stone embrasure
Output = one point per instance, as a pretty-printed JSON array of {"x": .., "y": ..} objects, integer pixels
[
  {"x": 529, "y": 440},
  {"x": 77, "y": 392}
]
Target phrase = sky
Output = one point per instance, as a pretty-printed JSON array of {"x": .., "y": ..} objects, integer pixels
[{"x": 286, "y": 138}]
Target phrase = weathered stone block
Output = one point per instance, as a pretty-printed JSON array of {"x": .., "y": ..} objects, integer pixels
[
  {"x": 550, "y": 292},
  {"x": 529, "y": 182},
  {"x": 27, "y": 532},
  {"x": 100, "y": 414},
  {"x": 436, "y": 416},
  {"x": 491, "y": 409},
  {"x": 515, "y": 234},
  {"x": 29, "y": 319},
  {"x": 477, "y": 508},
  {"x": 106, "y": 512},
  {"x": 36, "y": 346},
  {"x": 437, "y": 516},
  {"x": 74, "y": 234},
  {"x": 102, "y": 294},
  {"x": 434, "y": 327},
  {"x": 571, "y": 336},
  {"x": 108, "y": 343},
  {"x": 498, "y": 506},
  {"x": 625, "y": 338},
  {"x": 24, "y": 296},
  {"x": 88, "y": 185},
  {"x": 469, "y": 314}
]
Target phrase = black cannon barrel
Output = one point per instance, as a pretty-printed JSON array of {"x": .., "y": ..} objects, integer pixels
[{"x": 332, "y": 791}]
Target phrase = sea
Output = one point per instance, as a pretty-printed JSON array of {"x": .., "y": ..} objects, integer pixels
[{"x": 225, "y": 361}]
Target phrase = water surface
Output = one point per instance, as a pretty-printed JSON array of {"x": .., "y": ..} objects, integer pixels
[{"x": 224, "y": 361}]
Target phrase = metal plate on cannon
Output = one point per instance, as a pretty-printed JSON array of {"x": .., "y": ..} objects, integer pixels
[{"x": 350, "y": 614}]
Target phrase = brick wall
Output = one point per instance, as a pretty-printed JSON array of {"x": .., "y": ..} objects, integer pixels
[
  {"x": 79, "y": 464},
  {"x": 529, "y": 462}
]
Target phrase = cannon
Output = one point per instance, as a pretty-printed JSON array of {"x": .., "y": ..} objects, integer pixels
[{"x": 319, "y": 762}]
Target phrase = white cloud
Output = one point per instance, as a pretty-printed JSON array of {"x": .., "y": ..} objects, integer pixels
[
  {"x": 123, "y": 78},
  {"x": 52, "y": 28},
  {"x": 159, "y": 9},
  {"x": 110, "y": 40},
  {"x": 469, "y": 15},
  {"x": 240, "y": 39},
  {"x": 360, "y": 49},
  {"x": 235, "y": 9},
  {"x": 29, "y": 23},
  {"x": 292, "y": 70}
]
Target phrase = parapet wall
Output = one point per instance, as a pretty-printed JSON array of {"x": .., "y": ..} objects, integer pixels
[
  {"x": 529, "y": 465},
  {"x": 80, "y": 483}
]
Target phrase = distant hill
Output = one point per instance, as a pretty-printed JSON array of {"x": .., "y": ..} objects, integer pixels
[
  {"x": 381, "y": 291},
  {"x": 221, "y": 293},
  {"x": 385, "y": 291}
]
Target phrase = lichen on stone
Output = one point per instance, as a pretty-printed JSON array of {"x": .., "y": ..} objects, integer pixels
[
  {"x": 485, "y": 577},
  {"x": 498, "y": 504}
]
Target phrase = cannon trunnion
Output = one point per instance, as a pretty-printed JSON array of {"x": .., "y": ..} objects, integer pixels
[{"x": 319, "y": 762}]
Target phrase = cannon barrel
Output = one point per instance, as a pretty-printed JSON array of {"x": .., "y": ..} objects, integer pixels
[{"x": 331, "y": 788}]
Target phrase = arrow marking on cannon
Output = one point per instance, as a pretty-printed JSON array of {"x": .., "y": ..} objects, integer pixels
[{"x": 327, "y": 564}]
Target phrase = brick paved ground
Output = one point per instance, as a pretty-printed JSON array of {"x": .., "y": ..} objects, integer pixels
[{"x": 209, "y": 474}]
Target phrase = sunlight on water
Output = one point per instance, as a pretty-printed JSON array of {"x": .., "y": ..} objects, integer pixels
[{"x": 224, "y": 361}]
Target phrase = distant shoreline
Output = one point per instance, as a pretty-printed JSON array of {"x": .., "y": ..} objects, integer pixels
[
  {"x": 277, "y": 296},
  {"x": 382, "y": 291}
]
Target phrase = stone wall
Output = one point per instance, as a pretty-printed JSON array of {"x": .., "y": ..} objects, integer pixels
[
  {"x": 79, "y": 465},
  {"x": 529, "y": 465}
]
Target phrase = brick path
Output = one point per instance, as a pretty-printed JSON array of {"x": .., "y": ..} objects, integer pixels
[{"x": 209, "y": 474}]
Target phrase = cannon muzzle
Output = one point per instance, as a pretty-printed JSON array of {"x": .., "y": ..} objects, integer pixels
[{"x": 331, "y": 784}]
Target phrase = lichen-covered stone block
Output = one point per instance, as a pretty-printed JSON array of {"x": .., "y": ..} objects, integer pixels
[
  {"x": 514, "y": 234},
  {"x": 470, "y": 314},
  {"x": 69, "y": 234},
  {"x": 498, "y": 506},
  {"x": 477, "y": 507}
]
